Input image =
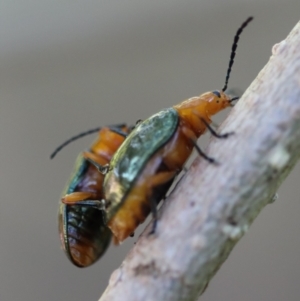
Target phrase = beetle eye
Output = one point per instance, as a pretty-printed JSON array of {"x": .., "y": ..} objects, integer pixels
[{"x": 217, "y": 93}]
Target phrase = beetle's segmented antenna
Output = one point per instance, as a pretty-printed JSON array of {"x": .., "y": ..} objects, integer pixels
[
  {"x": 233, "y": 49},
  {"x": 58, "y": 149},
  {"x": 114, "y": 128},
  {"x": 233, "y": 99}
]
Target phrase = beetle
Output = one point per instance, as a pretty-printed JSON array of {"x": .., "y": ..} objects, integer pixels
[
  {"x": 83, "y": 233},
  {"x": 153, "y": 154}
]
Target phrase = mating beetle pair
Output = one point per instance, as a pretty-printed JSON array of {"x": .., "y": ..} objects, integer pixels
[{"x": 145, "y": 164}]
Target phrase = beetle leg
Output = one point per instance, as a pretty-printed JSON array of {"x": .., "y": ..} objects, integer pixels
[
  {"x": 190, "y": 135},
  {"x": 138, "y": 122},
  {"x": 161, "y": 178},
  {"x": 153, "y": 205},
  {"x": 96, "y": 204},
  {"x": 202, "y": 153},
  {"x": 132, "y": 127},
  {"x": 84, "y": 199},
  {"x": 74, "y": 197},
  {"x": 158, "y": 179},
  {"x": 213, "y": 132},
  {"x": 208, "y": 126},
  {"x": 93, "y": 159}
]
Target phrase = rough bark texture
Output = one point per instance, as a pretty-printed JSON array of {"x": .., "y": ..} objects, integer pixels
[{"x": 213, "y": 206}]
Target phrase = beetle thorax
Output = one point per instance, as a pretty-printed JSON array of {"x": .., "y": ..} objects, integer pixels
[{"x": 191, "y": 111}]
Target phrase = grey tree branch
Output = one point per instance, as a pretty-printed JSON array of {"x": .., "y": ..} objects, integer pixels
[{"x": 213, "y": 206}]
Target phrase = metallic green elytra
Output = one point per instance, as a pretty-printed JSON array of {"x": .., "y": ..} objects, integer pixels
[
  {"x": 83, "y": 234},
  {"x": 128, "y": 162}
]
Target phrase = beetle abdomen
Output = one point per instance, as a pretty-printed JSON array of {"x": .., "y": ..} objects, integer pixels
[{"x": 85, "y": 235}]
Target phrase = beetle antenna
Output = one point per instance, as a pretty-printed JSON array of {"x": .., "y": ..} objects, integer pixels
[
  {"x": 233, "y": 99},
  {"x": 74, "y": 138},
  {"x": 113, "y": 128},
  {"x": 233, "y": 49}
]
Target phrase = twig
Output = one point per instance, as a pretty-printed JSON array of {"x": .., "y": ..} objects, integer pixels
[{"x": 213, "y": 206}]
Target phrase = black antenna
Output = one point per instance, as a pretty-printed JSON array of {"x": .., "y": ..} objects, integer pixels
[
  {"x": 233, "y": 49},
  {"x": 58, "y": 149},
  {"x": 114, "y": 128}
]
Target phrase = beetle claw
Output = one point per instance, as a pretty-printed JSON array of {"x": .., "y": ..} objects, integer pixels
[
  {"x": 226, "y": 135},
  {"x": 154, "y": 225}
]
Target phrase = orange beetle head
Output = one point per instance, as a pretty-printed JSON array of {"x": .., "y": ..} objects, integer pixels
[{"x": 216, "y": 101}]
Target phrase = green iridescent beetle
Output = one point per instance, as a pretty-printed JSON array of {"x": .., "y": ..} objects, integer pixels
[
  {"x": 145, "y": 165},
  {"x": 131, "y": 163}
]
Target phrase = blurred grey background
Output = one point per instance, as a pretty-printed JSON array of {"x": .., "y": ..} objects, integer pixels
[{"x": 68, "y": 66}]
